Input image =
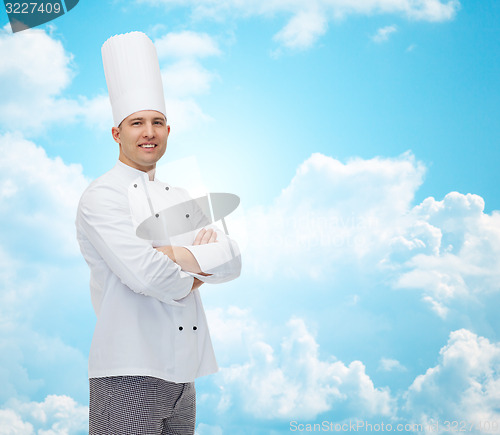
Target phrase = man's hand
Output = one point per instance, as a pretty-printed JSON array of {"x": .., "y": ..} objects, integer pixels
[
  {"x": 205, "y": 236},
  {"x": 183, "y": 256},
  {"x": 196, "y": 284}
]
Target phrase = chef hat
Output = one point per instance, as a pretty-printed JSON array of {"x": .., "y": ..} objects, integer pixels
[{"x": 132, "y": 75}]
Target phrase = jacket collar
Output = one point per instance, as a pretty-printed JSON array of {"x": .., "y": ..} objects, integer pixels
[{"x": 131, "y": 173}]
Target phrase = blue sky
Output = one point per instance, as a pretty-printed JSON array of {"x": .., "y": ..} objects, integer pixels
[{"x": 363, "y": 143}]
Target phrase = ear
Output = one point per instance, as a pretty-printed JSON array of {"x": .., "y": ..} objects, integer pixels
[{"x": 115, "y": 132}]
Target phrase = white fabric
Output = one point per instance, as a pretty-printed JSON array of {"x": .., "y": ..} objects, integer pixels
[
  {"x": 139, "y": 295},
  {"x": 133, "y": 75}
]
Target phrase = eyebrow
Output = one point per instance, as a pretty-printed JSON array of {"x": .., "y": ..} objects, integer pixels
[{"x": 139, "y": 118}]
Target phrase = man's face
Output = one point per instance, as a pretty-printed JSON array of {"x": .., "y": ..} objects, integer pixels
[{"x": 143, "y": 139}]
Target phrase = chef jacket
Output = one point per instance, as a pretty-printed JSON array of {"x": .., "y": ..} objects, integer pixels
[{"x": 149, "y": 322}]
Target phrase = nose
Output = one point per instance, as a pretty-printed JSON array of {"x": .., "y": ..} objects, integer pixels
[{"x": 148, "y": 130}]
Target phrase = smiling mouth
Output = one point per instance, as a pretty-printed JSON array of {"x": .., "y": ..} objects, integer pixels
[{"x": 147, "y": 145}]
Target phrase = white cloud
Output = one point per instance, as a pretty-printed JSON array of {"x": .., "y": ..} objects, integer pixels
[
  {"x": 464, "y": 256},
  {"x": 35, "y": 69},
  {"x": 463, "y": 386},
  {"x": 389, "y": 365},
  {"x": 186, "y": 44},
  {"x": 232, "y": 331},
  {"x": 33, "y": 362},
  {"x": 333, "y": 216},
  {"x": 425, "y": 10},
  {"x": 40, "y": 259},
  {"x": 183, "y": 114},
  {"x": 302, "y": 30},
  {"x": 96, "y": 112},
  {"x": 205, "y": 429},
  {"x": 35, "y": 72},
  {"x": 12, "y": 424},
  {"x": 361, "y": 218},
  {"x": 432, "y": 10},
  {"x": 293, "y": 382},
  {"x": 56, "y": 415},
  {"x": 29, "y": 56},
  {"x": 383, "y": 34},
  {"x": 184, "y": 78},
  {"x": 40, "y": 198},
  {"x": 309, "y": 20}
]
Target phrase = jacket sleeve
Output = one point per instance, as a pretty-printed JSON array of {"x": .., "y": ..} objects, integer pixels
[
  {"x": 221, "y": 259},
  {"x": 104, "y": 223}
]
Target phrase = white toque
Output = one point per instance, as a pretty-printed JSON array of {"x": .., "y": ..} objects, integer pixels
[{"x": 132, "y": 75}]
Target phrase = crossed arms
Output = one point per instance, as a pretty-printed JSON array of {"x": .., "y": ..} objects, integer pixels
[
  {"x": 110, "y": 246},
  {"x": 185, "y": 259}
]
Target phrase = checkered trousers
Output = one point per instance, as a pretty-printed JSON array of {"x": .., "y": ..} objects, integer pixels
[{"x": 141, "y": 405}]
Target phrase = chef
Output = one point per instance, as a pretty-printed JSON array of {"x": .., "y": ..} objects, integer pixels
[{"x": 151, "y": 338}]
